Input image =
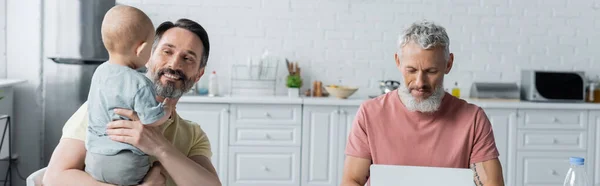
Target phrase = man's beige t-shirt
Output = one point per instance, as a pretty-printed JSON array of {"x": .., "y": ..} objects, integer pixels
[
  {"x": 457, "y": 135},
  {"x": 185, "y": 135}
]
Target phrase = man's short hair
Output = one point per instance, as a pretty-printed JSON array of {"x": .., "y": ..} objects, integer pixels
[
  {"x": 191, "y": 26},
  {"x": 426, "y": 34}
]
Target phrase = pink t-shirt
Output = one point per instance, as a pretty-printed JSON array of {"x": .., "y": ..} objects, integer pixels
[{"x": 457, "y": 135}]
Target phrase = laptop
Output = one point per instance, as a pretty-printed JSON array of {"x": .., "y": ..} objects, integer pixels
[{"x": 390, "y": 175}]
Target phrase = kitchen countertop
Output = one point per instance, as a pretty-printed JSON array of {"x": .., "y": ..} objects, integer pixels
[
  {"x": 240, "y": 99},
  {"x": 10, "y": 82},
  {"x": 356, "y": 101}
]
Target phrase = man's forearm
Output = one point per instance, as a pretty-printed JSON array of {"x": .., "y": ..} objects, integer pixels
[
  {"x": 184, "y": 171},
  {"x": 72, "y": 177}
]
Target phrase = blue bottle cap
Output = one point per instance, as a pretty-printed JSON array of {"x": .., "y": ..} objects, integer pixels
[{"x": 576, "y": 160}]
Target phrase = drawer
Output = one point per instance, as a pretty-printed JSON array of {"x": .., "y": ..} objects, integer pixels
[
  {"x": 552, "y": 140},
  {"x": 271, "y": 136},
  {"x": 259, "y": 166},
  {"x": 544, "y": 168},
  {"x": 550, "y": 118},
  {"x": 249, "y": 114}
]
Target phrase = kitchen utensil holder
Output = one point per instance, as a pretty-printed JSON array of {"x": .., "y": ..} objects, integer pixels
[{"x": 257, "y": 79}]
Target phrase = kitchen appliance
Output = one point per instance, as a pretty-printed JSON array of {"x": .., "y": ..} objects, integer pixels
[
  {"x": 388, "y": 85},
  {"x": 73, "y": 49},
  {"x": 553, "y": 86},
  {"x": 76, "y": 30},
  {"x": 495, "y": 90}
]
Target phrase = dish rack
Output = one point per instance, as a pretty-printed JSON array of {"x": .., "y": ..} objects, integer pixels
[{"x": 254, "y": 79}]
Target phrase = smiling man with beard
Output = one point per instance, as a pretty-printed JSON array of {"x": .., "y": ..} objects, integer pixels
[
  {"x": 419, "y": 124},
  {"x": 179, "y": 149}
]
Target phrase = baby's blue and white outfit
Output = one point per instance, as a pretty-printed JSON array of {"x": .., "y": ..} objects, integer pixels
[{"x": 116, "y": 86}]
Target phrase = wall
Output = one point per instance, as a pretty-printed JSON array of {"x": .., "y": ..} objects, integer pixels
[
  {"x": 353, "y": 41},
  {"x": 24, "y": 30},
  {"x": 3, "y": 39}
]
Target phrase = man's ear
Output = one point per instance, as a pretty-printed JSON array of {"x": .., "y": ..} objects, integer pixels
[
  {"x": 140, "y": 48},
  {"x": 200, "y": 74},
  {"x": 449, "y": 63}
]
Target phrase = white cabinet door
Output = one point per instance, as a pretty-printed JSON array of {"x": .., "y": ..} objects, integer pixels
[
  {"x": 346, "y": 119},
  {"x": 594, "y": 123},
  {"x": 214, "y": 119},
  {"x": 261, "y": 166},
  {"x": 320, "y": 136},
  {"x": 502, "y": 121}
]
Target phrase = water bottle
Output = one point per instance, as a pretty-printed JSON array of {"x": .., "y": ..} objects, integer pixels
[
  {"x": 576, "y": 176},
  {"x": 213, "y": 85}
]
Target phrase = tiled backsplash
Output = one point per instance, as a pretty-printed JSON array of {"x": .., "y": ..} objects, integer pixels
[{"x": 353, "y": 41}]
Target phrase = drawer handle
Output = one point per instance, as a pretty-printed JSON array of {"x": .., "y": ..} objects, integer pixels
[
  {"x": 267, "y": 136},
  {"x": 553, "y": 172},
  {"x": 554, "y": 141},
  {"x": 556, "y": 120},
  {"x": 267, "y": 115},
  {"x": 265, "y": 168}
]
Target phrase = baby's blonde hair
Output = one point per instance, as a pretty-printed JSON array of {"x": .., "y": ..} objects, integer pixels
[{"x": 125, "y": 27}]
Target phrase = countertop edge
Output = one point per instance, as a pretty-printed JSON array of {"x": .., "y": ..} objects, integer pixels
[{"x": 10, "y": 82}]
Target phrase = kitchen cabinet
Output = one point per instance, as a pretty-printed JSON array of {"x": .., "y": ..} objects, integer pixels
[
  {"x": 546, "y": 138},
  {"x": 213, "y": 119},
  {"x": 503, "y": 120},
  {"x": 264, "y": 144},
  {"x": 594, "y": 123},
  {"x": 324, "y": 133}
]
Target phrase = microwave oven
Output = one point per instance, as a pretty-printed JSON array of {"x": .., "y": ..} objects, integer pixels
[{"x": 553, "y": 86}]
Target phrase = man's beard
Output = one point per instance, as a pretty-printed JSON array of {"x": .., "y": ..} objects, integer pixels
[
  {"x": 428, "y": 105},
  {"x": 170, "y": 90}
]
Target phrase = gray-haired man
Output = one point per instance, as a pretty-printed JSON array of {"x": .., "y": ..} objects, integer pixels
[{"x": 419, "y": 124}]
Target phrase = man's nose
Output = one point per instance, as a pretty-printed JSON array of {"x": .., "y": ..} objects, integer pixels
[
  {"x": 175, "y": 62},
  {"x": 420, "y": 80}
]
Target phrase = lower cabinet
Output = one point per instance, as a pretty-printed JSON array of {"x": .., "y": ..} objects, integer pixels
[
  {"x": 213, "y": 119},
  {"x": 502, "y": 121},
  {"x": 273, "y": 166}
]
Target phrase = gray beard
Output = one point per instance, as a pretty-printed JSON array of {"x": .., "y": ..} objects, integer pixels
[
  {"x": 428, "y": 105},
  {"x": 169, "y": 90}
]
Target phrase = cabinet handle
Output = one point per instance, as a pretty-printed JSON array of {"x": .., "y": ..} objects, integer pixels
[
  {"x": 267, "y": 136},
  {"x": 265, "y": 168},
  {"x": 554, "y": 141},
  {"x": 555, "y": 120},
  {"x": 553, "y": 172}
]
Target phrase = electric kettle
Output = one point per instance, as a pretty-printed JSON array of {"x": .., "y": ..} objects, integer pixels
[{"x": 388, "y": 86}]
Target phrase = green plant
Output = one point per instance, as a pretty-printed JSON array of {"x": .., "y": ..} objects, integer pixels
[{"x": 294, "y": 81}]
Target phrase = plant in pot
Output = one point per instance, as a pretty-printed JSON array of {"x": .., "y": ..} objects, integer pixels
[{"x": 294, "y": 81}]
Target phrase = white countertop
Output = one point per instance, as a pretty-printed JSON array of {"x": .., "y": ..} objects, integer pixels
[
  {"x": 484, "y": 103},
  {"x": 10, "y": 82}
]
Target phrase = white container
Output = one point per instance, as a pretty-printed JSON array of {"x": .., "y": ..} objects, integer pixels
[
  {"x": 293, "y": 92},
  {"x": 213, "y": 85}
]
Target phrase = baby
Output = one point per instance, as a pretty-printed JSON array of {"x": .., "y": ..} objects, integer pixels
[{"x": 127, "y": 34}]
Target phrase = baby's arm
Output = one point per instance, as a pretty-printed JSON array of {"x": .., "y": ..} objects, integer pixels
[
  {"x": 150, "y": 111},
  {"x": 168, "y": 107}
]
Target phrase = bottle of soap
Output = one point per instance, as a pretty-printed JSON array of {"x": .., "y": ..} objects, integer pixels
[
  {"x": 456, "y": 90},
  {"x": 213, "y": 85}
]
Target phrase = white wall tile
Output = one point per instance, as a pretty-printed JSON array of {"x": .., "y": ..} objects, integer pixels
[{"x": 355, "y": 40}]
